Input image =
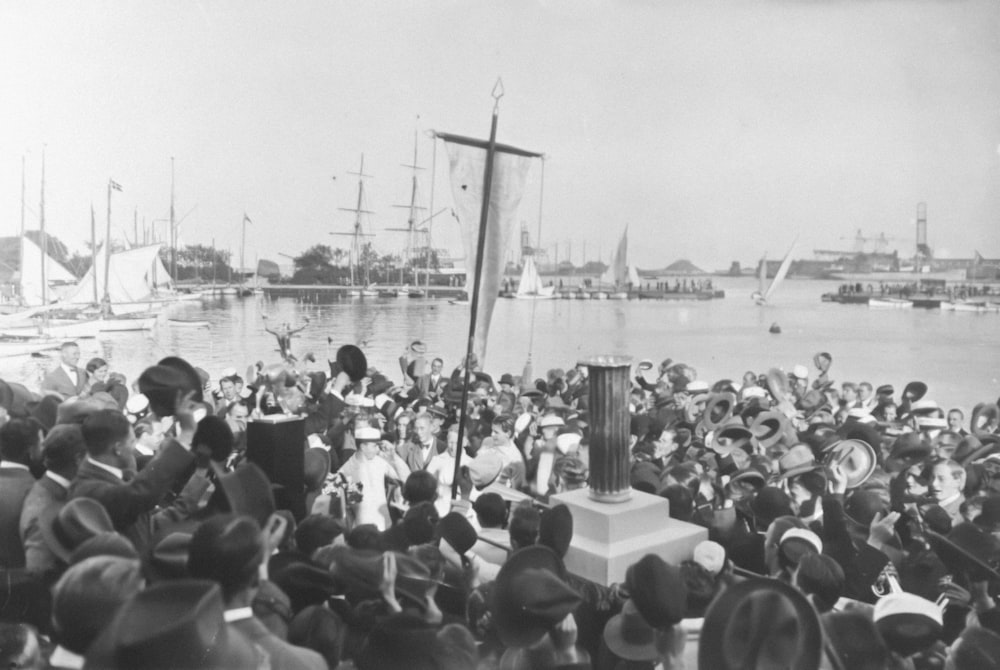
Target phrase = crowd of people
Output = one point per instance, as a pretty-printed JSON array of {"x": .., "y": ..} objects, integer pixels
[{"x": 848, "y": 524}]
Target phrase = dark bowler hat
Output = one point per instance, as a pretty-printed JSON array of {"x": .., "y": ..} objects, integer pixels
[
  {"x": 629, "y": 636},
  {"x": 66, "y": 528},
  {"x": 968, "y": 548},
  {"x": 555, "y": 530},
  {"x": 193, "y": 380},
  {"x": 456, "y": 530},
  {"x": 174, "y": 624},
  {"x": 863, "y": 505},
  {"x": 761, "y": 623},
  {"x": 351, "y": 360},
  {"x": 246, "y": 490},
  {"x": 161, "y": 385},
  {"x": 770, "y": 503},
  {"x": 306, "y": 584},
  {"x": 910, "y": 449},
  {"x": 507, "y": 378},
  {"x": 530, "y": 596},
  {"x": 658, "y": 591},
  {"x": 907, "y": 622},
  {"x": 885, "y": 390},
  {"x": 914, "y": 391}
]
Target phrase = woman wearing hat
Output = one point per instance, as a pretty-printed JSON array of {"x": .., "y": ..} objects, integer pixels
[{"x": 371, "y": 466}]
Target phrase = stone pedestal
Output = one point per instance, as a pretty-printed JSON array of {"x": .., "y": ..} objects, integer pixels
[{"x": 607, "y": 538}]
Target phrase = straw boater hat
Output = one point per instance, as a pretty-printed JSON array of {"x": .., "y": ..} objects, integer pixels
[
  {"x": 718, "y": 410},
  {"x": 856, "y": 458},
  {"x": 907, "y": 622},
  {"x": 769, "y": 428}
]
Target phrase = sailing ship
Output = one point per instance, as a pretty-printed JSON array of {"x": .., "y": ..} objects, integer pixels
[
  {"x": 765, "y": 291},
  {"x": 530, "y": 287},
  {"x": 355, "y": 253}
]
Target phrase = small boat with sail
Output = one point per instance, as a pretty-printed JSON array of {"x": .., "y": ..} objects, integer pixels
[
  {"x": 530, "y": 287},
  {"x": 763, "y": 295},
  {"x": 620, "y": 277}
]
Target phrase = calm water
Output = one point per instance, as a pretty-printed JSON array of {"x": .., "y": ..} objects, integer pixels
[{"x": 955, "y": 353}]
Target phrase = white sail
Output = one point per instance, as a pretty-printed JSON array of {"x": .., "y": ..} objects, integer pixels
[
  {"x": 31, "y": 273},
  {"x": 617, "y": 273},
  {"x": 786, "y": 263},
  {"x": 130, "y": 277},
  {"x": 531, "y": 285},
  {"x": 633, "y": 276}
]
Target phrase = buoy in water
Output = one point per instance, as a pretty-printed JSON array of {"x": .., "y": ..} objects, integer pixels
[{"x": 775, "y": 328}]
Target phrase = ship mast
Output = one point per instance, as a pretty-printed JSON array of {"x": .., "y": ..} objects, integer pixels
[
  {"x": 358, "y": 232},
  {"x": 412, "y": 228}
]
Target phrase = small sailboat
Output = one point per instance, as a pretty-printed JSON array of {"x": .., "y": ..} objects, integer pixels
[
  {"x": 762, "y": 296},
  {"x": 620, "y": 276},
  {"x": 530, "y": 287}
]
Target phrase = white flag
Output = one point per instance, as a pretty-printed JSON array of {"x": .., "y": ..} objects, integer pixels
[{"x": 467, "y": 160}]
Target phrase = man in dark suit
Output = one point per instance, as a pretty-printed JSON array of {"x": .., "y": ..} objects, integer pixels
[
  {"x": 431, "y": 385},
  {"x": 229, "y": 549},
  {"x": 62, "y": 451},
  {"x": 19, "y": 440},
  {"x": 67, "y": 379},
  {"x": 108, "y": 473},
  {"x": 419, "y": 452}
]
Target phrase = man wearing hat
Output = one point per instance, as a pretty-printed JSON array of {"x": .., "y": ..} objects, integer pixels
[
  {"x": 110, "y": 459},
  {"x": 229, "y": 550},
  {"x": 62, "y": 451},
  {"x": 66, "y": 380}
]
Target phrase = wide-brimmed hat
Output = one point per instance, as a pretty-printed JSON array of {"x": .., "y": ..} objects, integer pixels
[
  {"x": 796, "y": 461},
  {"x": 910, "y": 449},
  {"x": 777, "y": 383},
  {"x": 761, "y": 623},
  {"x": 246, "y": 490},
  {"x": 456, "y": 530},
  {"x": 731, "y": 435},
  {"x": 629, "y": 636},
  {"x": 658, "y": 591},
  {"x": 67, "y": 527},
  {"x": 718, "y": 410},
  {"x": 750, "y": 475},
  {"x": 907, "y": 622},
  {"x": 914, "y": 391},
  {"x": 551, "y": 421},
  {"x": 555, "y": 530},
  {"x": 173, "y": 624},
  {"x": 989, "y": 412},
  {"x": 968, "y": 548},
  {"x": 769, "y": 428},
  {"x": 856, "y": 459},
  {"x": 530, "y": 596}
]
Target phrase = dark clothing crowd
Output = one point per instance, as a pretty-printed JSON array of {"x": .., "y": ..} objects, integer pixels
[{"x": 331, "y": 515}]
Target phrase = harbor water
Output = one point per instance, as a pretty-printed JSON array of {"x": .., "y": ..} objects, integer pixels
[{"x": 955, "y": 353}]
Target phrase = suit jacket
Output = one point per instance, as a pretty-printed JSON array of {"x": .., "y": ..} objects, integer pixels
[
  {"x": 130, "y": 504},
  {"x": 59, "y": 381},
  {"x": 46, "y": 494},
  {"x": 428, "y": 387},
  {"x": 14, "y": 486},
  {"x": 411, "y": 454},
  {"x": 283, "y": 655}
]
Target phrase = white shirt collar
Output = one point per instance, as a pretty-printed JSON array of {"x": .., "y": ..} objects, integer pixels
[
  {"x": 64, "y": 658},
  {"x": 58, "y": 479},
  {"x": 11, "y": 465},
  {"x": 950, "y": 500},
  {"x": 70, "y": 370},
  {"x": 238, "y": 614},
  {"x": 117, "y": 472}
]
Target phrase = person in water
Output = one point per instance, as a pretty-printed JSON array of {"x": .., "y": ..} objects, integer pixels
[{"x": 284, "y": 336}]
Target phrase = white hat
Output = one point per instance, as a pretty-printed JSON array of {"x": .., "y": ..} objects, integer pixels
[
  {"x": 931, "y": 422},
  {"x": 803, "y": 534},
  {"x": 697, "y": 386},
  {"x": 710, "y": 555},
  {"x": 521, "y": 422},
  {"x": 567, "y": 442},
  {"x": 136, "y": 403},
  {"x": 367, "y": 434},
  {"x": 753, "y": 392},
  {"x": 228, "y": 372},
  {"x": 551, "y": 420},
  {"x": 800, "y": 372},
  {"x": 923, "y": 405},
  {"x": 903, "y": 602}
]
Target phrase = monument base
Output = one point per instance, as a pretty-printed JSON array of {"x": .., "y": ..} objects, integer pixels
[{"x": 609, "y": 537}]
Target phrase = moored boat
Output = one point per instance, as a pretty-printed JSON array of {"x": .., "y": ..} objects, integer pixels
[
  {"x": 889, "y": 303},
  {"x": 188, "y": 323}
]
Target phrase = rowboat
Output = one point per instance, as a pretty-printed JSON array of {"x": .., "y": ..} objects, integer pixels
[
  {"x": 11, "y": 349},
  {"x": 122, "y": 324}
]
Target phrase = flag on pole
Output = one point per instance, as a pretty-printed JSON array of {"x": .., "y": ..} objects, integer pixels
[
  {"x": 467, "y": 162},
  {"x": 246, "y": 218},
  {"x": 114, "y": 185}
]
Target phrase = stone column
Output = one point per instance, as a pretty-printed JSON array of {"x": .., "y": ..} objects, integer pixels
[{"x": 609, "y": 428}]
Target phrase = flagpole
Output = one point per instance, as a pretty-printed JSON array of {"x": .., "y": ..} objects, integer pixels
[
  {"x": 477, "y": 280},
  {"x": 93, "y": 251}
]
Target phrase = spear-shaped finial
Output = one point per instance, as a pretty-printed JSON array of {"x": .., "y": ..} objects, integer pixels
[{"x": 497, "y": 92}]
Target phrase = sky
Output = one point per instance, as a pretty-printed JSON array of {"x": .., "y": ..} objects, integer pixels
[{"x": 715, "y": 130}]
